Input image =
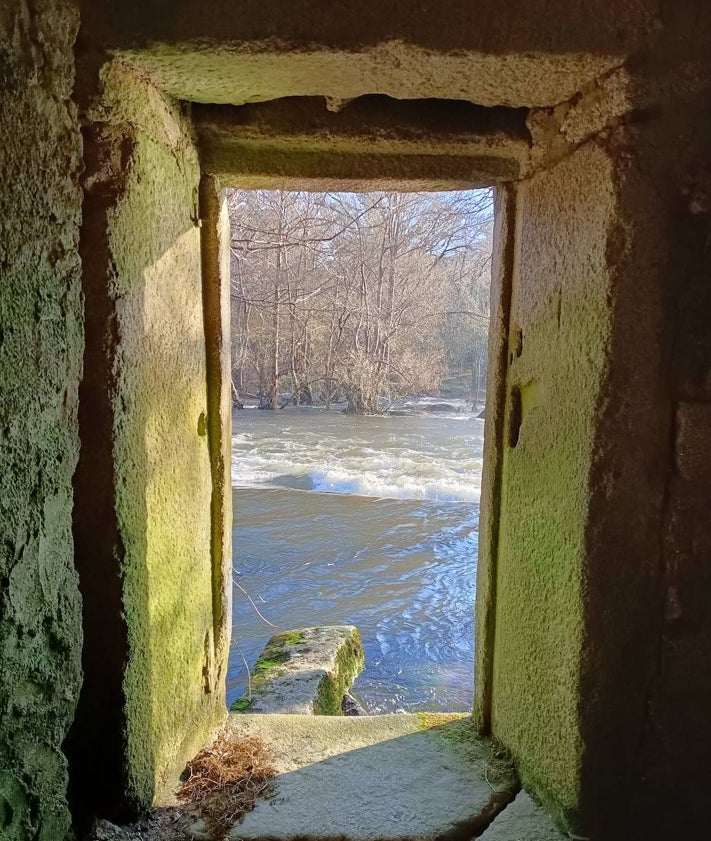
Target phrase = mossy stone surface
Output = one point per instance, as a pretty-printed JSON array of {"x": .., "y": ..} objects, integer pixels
[
  {"x": 560, "y": 332},
  {"x": 163, "y": 479},
  {"x": 306, "y": 671},
  {"x": 144, "y": 253},
  {"x": 41, "y": 343}
]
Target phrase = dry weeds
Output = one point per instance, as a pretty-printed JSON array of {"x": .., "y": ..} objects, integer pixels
[
  {"x": 223, "y": 784},
  {"x": 225, "y": 780}
]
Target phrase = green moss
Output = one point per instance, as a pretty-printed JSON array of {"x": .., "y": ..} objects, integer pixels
[
  {"x": 163, "y": 481},
  {"x": 289, "y": 638},
  {"x": 241, "y": 705},
  {"x": 546, "y": 496},
  {"x": 271, "y": 661},
  {"x": 427, "y": 721},
  {"x": 349, "y": 664},
  {"x": 329, "y": 699},
  {"x": 276, "y": 654},
  {"x": 41, "y": 341}
]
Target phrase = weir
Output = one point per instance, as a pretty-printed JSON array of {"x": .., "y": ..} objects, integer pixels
[{"x": 122, "y": 126}]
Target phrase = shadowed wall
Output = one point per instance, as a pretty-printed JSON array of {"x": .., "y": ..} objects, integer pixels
[
  {"x": 41, "y": 340},
  {"x": 153, "y": 687}
]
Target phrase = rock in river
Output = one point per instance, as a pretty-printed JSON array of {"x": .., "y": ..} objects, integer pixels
[{"x": 306, "y": 671}]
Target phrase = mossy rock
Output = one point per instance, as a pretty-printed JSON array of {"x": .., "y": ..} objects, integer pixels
[{"x": 306, "y": 671}]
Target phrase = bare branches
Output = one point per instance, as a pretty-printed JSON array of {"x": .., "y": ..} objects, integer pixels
[{"x": 366, "y": 294}]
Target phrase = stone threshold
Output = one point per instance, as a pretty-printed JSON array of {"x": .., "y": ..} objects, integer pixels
[
  {"x": 405, "y": 777},
  {"x": 400, "y": 777}
]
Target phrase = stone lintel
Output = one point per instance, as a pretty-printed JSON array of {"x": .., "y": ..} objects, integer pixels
[
  {"x": 525, "y": 52},
  {"x": 372, "y": 142}
]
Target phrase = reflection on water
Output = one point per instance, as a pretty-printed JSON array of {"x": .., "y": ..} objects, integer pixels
[{"x": 363, "y": 521}]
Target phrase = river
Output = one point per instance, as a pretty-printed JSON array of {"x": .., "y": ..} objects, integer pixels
[{"x": 369, "y": 521}]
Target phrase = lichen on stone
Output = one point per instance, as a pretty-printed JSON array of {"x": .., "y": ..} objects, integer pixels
[{"x": 307, "y": 671}]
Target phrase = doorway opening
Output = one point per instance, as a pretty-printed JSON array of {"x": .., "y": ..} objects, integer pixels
[{"x": 359, "y": 349}]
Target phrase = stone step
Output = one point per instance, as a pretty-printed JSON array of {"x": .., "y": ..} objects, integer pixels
[
  {"x": 401, "y": 777},
  {"x": 523, "y": 820},
  {"x": 374, "y": 778}
]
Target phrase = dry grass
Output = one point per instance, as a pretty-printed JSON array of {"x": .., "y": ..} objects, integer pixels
[{"x": 225, "y": 780}]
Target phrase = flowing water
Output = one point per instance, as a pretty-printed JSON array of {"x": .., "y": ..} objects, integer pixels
[{"x": 369, "y": 521}]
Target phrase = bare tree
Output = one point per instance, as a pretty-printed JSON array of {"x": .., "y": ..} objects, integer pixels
[{"x": 358, "y": 296}]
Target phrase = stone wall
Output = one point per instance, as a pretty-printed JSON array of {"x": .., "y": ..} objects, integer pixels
[
  {"x": 593, "y": 621},
  {"x": 40, "y": 363},
  {"x": 558, "y": 337},
  {"x": 668, "y": 191},
  {"x": 215, "y": 243},
  {"x": 154, "y": 687},
  {"x": 594, "y": 629}
]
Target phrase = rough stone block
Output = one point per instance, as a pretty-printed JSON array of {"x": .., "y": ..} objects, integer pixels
[
  {"x": 306, "y": 672},
  {"x": 154, "y": 639},
  {"x": 372, "y": 778},
  {"x": 693, "y": 447},
  {"x": 523, "y": 820},
  {"x": 41, "y": 340}
]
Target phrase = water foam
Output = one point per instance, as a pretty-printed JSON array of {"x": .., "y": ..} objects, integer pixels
[
  {"x": 393, "y": 486},
  {"x": 399, "y": 458}
]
